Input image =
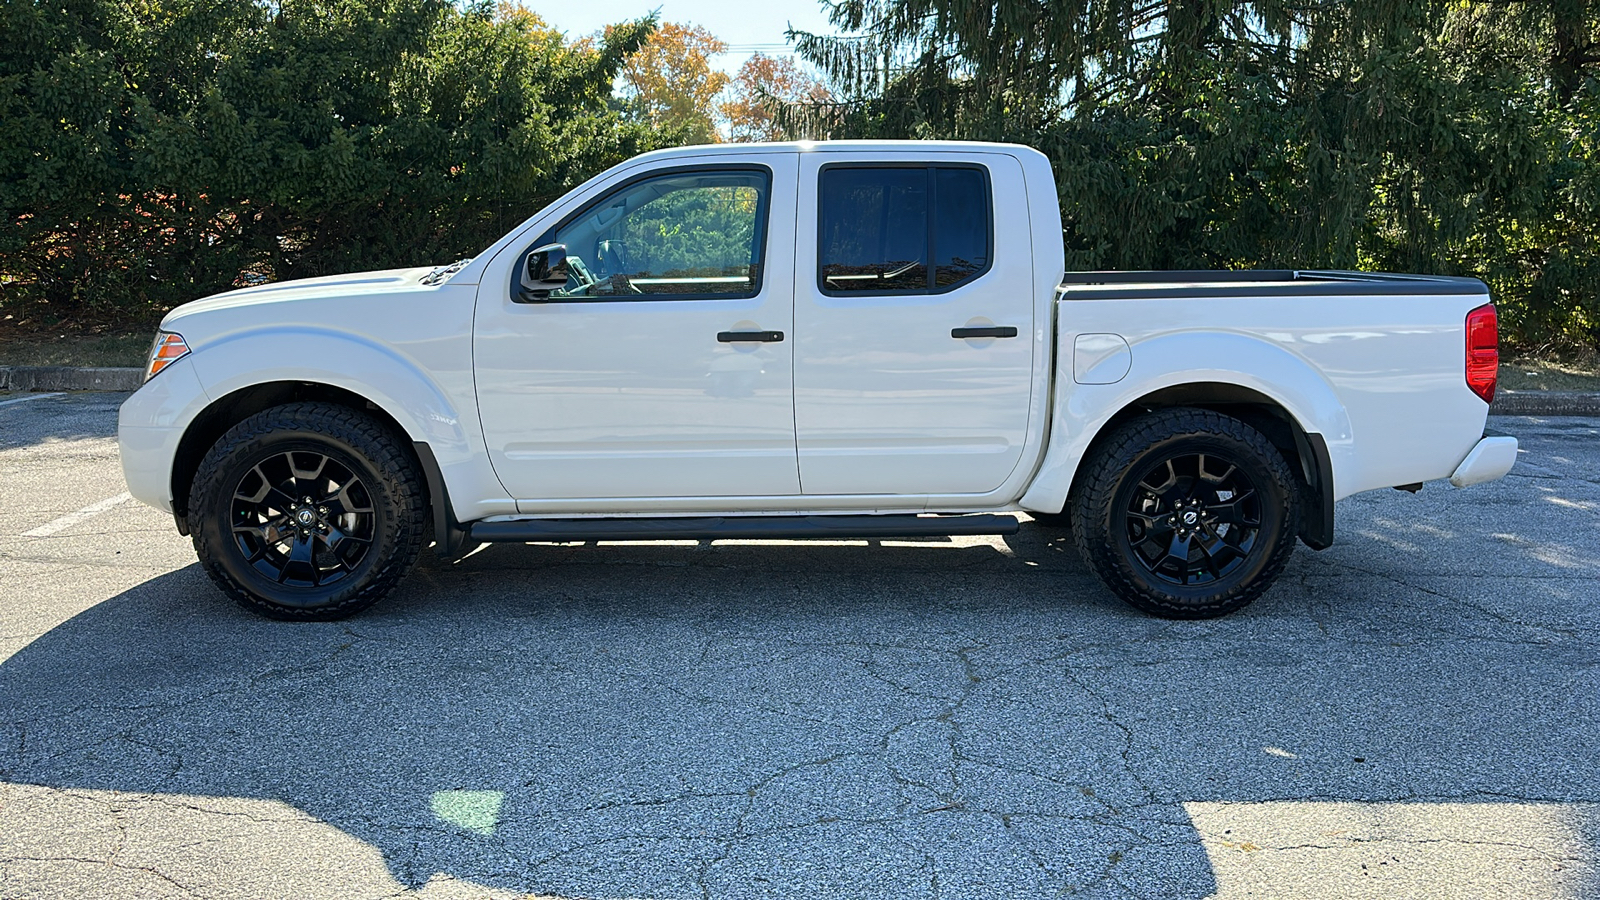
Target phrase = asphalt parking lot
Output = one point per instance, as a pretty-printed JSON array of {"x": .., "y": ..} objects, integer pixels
[{"x": 1412, "y": 713}]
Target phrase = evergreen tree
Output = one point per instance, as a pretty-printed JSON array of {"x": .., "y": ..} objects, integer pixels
[{"x": 1450, "y": 136}]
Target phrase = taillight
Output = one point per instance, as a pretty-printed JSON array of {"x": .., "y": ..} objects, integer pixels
[{"x": 1483, "y": 351}]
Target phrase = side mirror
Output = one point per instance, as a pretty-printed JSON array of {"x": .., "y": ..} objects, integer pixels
[{"x": 547, "y": 271}]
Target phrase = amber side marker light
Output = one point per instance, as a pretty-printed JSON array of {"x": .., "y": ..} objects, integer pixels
[
  {"x": 167, "y": 349},
  {"x": 1483, "y": 351}
]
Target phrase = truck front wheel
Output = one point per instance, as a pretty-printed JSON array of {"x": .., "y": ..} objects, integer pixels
[
  {"x": 1186, "y": 513},
  {"x": 307, "y": 511}
]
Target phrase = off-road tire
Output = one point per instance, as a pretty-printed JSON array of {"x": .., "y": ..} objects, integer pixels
[
  {"x": 1109, "y": 481},
  {"x": 369, "y": 451}
]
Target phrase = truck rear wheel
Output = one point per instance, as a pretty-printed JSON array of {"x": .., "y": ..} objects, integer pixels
[
  {"x": 1186, "y": 513},
  {"x": 308, "y": 511}
]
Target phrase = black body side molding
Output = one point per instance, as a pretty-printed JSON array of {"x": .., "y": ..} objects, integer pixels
[
  {"x": 1316, "y": 530},
  {"x": 749, "y": 527}
]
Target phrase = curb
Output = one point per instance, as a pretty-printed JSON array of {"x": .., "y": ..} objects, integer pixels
[
  {"x": 1545, "y": 403},
  {"x": 70, "y": 378},
  {"x": 106, "y": 378}
]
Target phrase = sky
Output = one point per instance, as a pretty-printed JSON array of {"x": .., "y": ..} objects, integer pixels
[{"x": 747, "y": 26}]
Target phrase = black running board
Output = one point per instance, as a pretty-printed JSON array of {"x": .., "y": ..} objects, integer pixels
[{"x": 749, "y": 527}]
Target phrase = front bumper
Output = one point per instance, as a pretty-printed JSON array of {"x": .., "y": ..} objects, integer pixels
[
  {"x": 1492, "y": 458},
  {"x": 149, "y": 426}
]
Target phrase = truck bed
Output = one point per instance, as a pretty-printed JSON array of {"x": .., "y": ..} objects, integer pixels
[{"x": 1257, "y": 283}]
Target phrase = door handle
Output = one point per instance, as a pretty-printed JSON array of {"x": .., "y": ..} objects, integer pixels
[
  {"x": 991, "y": 331},
  {"x": 763, "y": 337}
]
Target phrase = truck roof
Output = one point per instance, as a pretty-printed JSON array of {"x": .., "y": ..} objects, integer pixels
[{"x": 704, "y": 150}]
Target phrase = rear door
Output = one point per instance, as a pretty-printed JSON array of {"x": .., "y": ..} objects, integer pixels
[{"x": 914, "y": 316}]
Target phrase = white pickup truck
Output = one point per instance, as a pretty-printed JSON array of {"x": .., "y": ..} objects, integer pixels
[{"x": 802, "y": 340}]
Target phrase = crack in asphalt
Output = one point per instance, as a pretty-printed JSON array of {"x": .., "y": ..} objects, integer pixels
[
  {"x": 1476, "y": 607},
  {"x": 909, "y": 709},
  {"x": 185, "y": 889}
]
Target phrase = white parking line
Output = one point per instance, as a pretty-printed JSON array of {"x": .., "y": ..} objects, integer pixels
[
  {"x": 27, "y": 398},
  {"x": 71, "y": 519}
]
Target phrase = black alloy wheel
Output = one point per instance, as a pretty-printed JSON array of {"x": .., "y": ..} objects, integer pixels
[
  {"x": 307, "y": 511},
  {"x": 1191, "y": 519},
  {"x": 303, "y": 519},
  {"x": 1185, "y": 513}
]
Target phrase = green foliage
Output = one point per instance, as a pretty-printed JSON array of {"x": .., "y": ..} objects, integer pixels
[
  {"x": 700, "y": 231},
  {"x": 153, "y": 151},
  {"x": 1449, "y": 136}
]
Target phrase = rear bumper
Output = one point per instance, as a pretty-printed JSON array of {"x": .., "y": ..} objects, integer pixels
[{"x": 1492, "y": 458}]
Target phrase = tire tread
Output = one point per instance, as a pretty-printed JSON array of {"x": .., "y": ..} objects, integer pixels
[
  {"x": 1102, "y": 475},
  {"x": 401, "y": 481}
]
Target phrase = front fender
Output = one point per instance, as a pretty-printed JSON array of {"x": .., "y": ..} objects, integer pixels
[
  {"x": 1081, "y": 411},
  {"x": 432, "y": 404},
  {"x": 358, "y": 365}
]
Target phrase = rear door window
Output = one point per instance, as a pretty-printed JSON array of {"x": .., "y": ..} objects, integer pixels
[{"x": 902, "y": 229}]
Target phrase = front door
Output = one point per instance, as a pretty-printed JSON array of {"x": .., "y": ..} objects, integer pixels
[
  {"x": 914, "y": 319},
  {"x": 664, "y": 368}
]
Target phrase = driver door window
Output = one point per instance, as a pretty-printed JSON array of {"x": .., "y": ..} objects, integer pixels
[{"x": 695, "y": 235}]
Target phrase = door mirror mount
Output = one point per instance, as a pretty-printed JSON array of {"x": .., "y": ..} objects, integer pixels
[{"x": 547, "y": 271}]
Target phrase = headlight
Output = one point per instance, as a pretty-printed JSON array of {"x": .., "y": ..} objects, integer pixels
[{"x": 167, "y": 349}]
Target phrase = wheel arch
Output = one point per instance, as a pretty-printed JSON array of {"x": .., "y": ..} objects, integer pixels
[
  {"x": 1306, "y": 452},
  {"x": 1304, "y": 448},
  {"x": 204, "y": 430}
]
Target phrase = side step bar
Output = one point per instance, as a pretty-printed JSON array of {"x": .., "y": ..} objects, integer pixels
[{"x": 714, "y": 527}]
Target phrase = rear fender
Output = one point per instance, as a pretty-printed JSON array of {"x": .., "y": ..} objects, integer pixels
[{"x": 1080, "y": 412}]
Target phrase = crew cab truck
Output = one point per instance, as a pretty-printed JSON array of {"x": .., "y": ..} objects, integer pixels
[{"x": 836, "y": 339}]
